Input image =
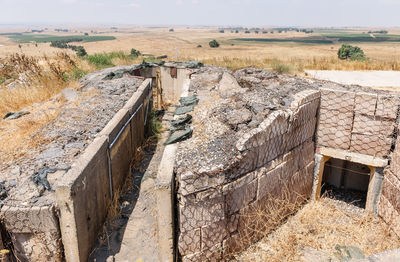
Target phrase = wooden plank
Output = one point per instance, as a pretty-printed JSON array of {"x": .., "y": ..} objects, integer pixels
[{"x": 321, "y": 167}]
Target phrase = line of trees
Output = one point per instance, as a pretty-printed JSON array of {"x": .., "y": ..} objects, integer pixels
[{"x": 64, "y": 44}]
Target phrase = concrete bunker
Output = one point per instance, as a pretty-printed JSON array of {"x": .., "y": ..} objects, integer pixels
[
  {"x": 258, "y": 136},
  {"x": 346, "y": 180}
]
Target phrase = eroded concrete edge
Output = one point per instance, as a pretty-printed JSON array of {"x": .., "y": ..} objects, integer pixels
[
  {"x": 73, "y": 197},
  {"x": 165, "y": 192}
]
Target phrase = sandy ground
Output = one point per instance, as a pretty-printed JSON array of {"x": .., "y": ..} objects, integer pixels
[{"x": 368, "y": 79}]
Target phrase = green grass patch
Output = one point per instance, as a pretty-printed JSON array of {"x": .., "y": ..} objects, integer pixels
[
  {"x": 152, "y": 59},
  {"x": 27, "y": 38},
  {"x": 2, "y": 80},
  {"x": 76, "y": 74},
  {"x": 280, "y": 67},
  {"x": 100, "y": 60},
  {"x": 118, "y": 54}
]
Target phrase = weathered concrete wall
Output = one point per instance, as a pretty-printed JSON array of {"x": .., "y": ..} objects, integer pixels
[
  {"x": 173, "y": 81},
  {"x": 84, "y": 196},
  {"x": 217, "y": 210},
  {"x": 358, "y": 122},
  {"x": 389, "y": 203},
  {"x": 34, "y": 232}
]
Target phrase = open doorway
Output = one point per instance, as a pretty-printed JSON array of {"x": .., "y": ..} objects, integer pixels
[{"x": 346, "y": 181}]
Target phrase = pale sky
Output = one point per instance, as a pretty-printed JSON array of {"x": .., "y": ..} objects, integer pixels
[{"x": 375, "y": 13}]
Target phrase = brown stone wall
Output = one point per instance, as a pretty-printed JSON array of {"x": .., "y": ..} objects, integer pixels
[
  {"x": 224, "y": 212},
  {"x": 389, "y": 204},
  {"x": 359, "y": 122}
]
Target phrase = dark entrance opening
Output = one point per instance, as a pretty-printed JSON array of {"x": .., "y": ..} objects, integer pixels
[{"x": 346, "y": 181}]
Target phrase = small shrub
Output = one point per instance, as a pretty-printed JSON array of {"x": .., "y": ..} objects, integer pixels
[
  {"x": 80, "y": 51},
  {"x": 353, "y": 53},
  {"x": 171, "y": 30},
  {"x": 256, "y": 31},
  {"x": 135, "y": 53},
  {"x": 78, "y": 73},
  {"x": 214, "y": 44},
  {"x": 100, "y": 60},
  {"x": 236, "y": 31},
  {"x": 151, "y": 59},
  {"x": 281, "y": 68},
  {"x": 2, "y": 80},
  {"x": 199, "y": 46},
  {"x": 222, "y": 31},
  {"x": 247, "y": 32},
  {"x": 118, "y": 54}
]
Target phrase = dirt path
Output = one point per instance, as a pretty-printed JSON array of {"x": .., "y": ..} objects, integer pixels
[
  {"x": 131, "y": 235},
  {"x": 382, "y": 79}
]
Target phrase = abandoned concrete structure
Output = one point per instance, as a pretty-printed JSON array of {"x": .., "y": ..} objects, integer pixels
[{"x": 257, "y": 136}]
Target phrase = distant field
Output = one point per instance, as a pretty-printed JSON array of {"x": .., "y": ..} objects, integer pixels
[
  {"x": 283, "y": 40},
  {"x": 296, "y": 50},
  {"x": 27, "y": 38},
  {"x": 331, "y": 38}
]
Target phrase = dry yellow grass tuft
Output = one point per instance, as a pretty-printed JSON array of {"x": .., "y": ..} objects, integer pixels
[
  {"x": 37, "y": 78},
  {"x": 322, "y": 225}
]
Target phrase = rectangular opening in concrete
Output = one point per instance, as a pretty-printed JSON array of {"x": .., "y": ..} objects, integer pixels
[{"x": 347, "y": 181}]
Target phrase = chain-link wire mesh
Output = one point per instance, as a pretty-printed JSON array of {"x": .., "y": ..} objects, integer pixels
[{"x": 360, "y": 122}]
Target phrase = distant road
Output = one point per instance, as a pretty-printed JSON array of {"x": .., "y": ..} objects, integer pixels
[{"x": 362, "y": 78}]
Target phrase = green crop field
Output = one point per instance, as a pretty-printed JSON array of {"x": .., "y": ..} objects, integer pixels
[
  {"x": 335, "y": 36},
  {"x": 27, "y": 38},
  {"x": 346, "y": 35},
  {"x": 285, "y": 40}
]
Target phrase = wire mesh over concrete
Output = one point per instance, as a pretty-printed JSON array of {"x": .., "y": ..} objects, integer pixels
[{"x": 360, "y": 122}]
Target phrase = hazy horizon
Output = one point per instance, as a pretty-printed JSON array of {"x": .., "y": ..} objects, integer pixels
[{"x": 306, "y": 13}]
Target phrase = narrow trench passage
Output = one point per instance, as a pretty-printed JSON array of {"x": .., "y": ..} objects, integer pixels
[
  {"x": 130, "y": 227},
  {"x": 346, "y": 181}
]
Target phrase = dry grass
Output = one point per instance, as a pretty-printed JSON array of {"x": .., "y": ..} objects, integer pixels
[
  {"x": 322, "y": 225},
  {"x": 297, "y": 65},
  {"x": 18, "y": 137},
  {"x": 38, "y": 79}
]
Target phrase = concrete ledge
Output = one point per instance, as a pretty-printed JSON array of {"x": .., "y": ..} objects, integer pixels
[
  {"x": 84, "y": 195},
  {"x": 165, "y": 204},
  {"x": 29, "y": 219},
  {"x": 353, "y": 157},
  {"x": 84, "y": 201},
  {"x": 138, "y": 96}
]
